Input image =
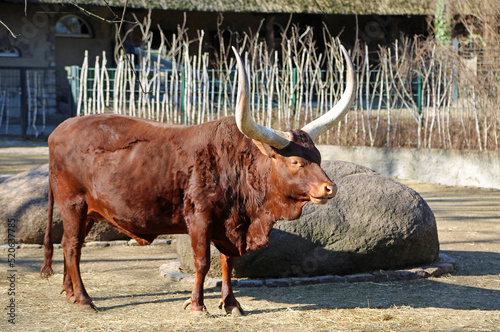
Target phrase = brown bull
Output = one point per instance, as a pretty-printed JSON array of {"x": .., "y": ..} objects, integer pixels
[{"x": 224, "y": 182}]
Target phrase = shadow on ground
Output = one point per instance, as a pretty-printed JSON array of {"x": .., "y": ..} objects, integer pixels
[
  {"x": 440, "y": 292},
  {"x": 462, "y": 290}
]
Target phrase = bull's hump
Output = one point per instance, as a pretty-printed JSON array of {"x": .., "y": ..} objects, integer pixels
[
  {"x": 105, "y": 132},
  {"x": 112, "y": 138}
]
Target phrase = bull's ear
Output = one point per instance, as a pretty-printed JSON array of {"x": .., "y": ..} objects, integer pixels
[{"x": 265, "y": 148}]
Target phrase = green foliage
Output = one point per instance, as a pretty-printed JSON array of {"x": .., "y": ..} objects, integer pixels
[{"x": 442, "y": 31}]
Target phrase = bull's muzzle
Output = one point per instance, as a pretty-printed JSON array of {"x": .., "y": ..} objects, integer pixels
[{"x": 325, "y": 192}]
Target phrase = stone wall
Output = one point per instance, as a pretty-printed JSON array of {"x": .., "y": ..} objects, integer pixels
[{"x": 449, "y": 167}]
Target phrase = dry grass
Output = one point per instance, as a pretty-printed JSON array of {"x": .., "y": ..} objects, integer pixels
[
  {"x": 125, "y": 284},
  {"x": 19, "y": 159},
  {"x": 146, "y": 302}
]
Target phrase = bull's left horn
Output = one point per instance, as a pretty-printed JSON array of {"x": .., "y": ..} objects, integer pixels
[
  {"x": 333, "y": 116},
  {"x": 244, "y": 119}
]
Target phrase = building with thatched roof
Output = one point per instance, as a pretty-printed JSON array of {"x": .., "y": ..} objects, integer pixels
[
  {"x": 345, "y": 7},
  {"x": 53, "y": 33},
  {"x": 41, "y": 34}
]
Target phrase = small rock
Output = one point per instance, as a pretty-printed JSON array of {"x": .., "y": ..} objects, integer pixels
[
  {"x": 330, "y": 279},
  {"x": 133, "y": 242},
  {"x": 250, "y": 283},
  {"x": 97, "y": 244},
  {"x": 8, "y": 246},
  {"x": 118, "y": 243},
  {"x": 446, "y": 267},
  {"x": 188, "y": 280},
  {"x": 172, "y": 265},
  {"x": 432, "y": 271},
  {"x": 157, "y": 242},
  {"x": 213, "y": 283},
  {"x": 277, "y": 282},
  {"x": 386, "y": 275},
  {"x": 446, "y": 259},
  {"x": 360, "y": 277},
  {"x": 31, "y": 246},
  {"x": 4, "y": 177},
  {"x": 174, "y": 276},
  {"x": 407, "y": 275},
  {"x": 304, "y": 281},
  {"x": 419, "y": 272}
]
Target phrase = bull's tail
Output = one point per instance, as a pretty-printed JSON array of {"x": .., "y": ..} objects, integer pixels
[{"x": 46, "y": 270}]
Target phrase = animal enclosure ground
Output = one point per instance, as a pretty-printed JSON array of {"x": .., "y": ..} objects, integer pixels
[
  {"x": 125, "y": 284},
  {"x": 19, "y": 155}
]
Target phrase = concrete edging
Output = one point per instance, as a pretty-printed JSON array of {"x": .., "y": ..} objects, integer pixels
[
  {"x": 449, "y": 167},
  {"x": 171, "y": 270},
  {"x": 444, "y": 265}
]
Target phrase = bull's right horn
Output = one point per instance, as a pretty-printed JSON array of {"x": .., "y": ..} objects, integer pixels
[
  {"x": 244, "y": 118},
  {"x": 333, "y": 116}
]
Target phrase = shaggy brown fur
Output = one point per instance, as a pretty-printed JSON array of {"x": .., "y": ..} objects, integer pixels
[{"x": 146, "y": 178}]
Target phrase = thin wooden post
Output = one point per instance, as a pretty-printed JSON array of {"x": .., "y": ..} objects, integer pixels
[
  {"x": 183, "y": 94},
  {"x": 24, "y": 102}
]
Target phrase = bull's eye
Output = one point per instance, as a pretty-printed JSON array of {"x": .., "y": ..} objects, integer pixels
[{"x": 296, "y": 163}]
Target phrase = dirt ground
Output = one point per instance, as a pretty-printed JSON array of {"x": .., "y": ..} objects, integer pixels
[
  {"x": 20, "y": 155},
  {"x": 126, "y": 286}
]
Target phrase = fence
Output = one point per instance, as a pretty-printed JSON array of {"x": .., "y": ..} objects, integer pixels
[
  {"x": 31, "y": 100},
  {"x": 191, "y": 93},
  {"x": 213, "y": 89},
  {"x": 207, "y": 94},
  {"x": 418, "y": 94}
]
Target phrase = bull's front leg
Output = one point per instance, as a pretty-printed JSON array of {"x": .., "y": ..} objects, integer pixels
[
  {"x": 231, "y": 305},
  {"x": 200, "y": 242}
]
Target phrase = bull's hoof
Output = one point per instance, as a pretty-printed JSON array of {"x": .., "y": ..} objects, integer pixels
[
  {"x": 233, "y": 310},
  {"x": 199, "y": 312},
  {"x": 70, "y": 299},
  {"x": 90, "y": 308},
  {"x": 187, "y": 303},
  {"x": 69, "y": 294}
]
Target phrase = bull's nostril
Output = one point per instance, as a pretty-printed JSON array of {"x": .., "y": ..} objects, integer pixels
[{"x": 331, "y": 190}]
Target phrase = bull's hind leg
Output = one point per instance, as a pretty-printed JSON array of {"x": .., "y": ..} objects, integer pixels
[
  {"x": 231, "y": 305},
  {"x": 75, "y": 228},
  {"x": 67, "y": 282}
]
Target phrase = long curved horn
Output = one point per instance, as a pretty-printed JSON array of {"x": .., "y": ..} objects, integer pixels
[
  {"x": 333, "y": 116},
  {"x": 244, "y": 118}
]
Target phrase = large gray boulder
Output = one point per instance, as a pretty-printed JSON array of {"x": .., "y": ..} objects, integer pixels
[
  {"x": 24, "y": 198},
  {"x": 373, "y": 223}
]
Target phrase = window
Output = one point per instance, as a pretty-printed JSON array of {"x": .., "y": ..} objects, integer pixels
[
  {"x": 73, "y": 26},
  {"x": 9, "y": 51}
]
